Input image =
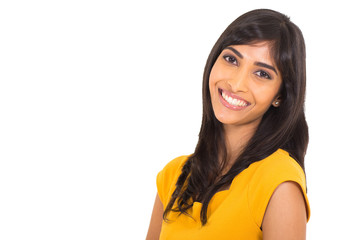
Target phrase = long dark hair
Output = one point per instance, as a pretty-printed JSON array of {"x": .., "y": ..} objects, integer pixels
[{"x": 281, "y": 127}]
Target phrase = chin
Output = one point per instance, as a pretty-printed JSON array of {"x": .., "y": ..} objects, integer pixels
[{"x": 227, "y": 120}]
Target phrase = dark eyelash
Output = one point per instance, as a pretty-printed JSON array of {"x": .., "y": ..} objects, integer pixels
[
  {"x": 267, "y": 75},
  {"x": 233, "y": 59}
]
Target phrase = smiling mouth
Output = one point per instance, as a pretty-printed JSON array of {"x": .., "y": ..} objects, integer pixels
[{"x": 233, "y": 101}]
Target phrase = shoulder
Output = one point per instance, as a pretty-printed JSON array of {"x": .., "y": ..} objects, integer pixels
[
  {"x": 173, "y": 166},
  {"x": 270, "y": 172},
  {"x": 277, "y": 166},
  {"x": 167, "y": 177}
]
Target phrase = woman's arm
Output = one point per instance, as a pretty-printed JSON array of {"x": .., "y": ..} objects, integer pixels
[
  {"x": 285, "y": 216},
  {"x": 156, "y": 220}
]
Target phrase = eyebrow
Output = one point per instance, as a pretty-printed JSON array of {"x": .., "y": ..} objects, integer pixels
[
  {"x": 260, "y": 64},
  {"x": 235, "y": 51}
]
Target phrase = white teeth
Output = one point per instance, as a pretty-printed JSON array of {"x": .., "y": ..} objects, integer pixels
[{"x": 233, "y": 101}]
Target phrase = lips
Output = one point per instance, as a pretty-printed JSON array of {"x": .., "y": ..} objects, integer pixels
[{"x": 232, "y": 101}]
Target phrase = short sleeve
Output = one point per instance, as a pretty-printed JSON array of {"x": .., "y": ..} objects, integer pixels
[
  {"x": 167, "y": 177},
  {"x": 269, "y": 175}
]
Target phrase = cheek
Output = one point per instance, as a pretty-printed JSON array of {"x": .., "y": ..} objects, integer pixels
[
  {"x": 212, "y": 76},
  {"x": 211, "y": 82},
  {"x": 213, "y": 79},
  {"x": 265, "y": 94},
  {"x": 217, "y": 73}
]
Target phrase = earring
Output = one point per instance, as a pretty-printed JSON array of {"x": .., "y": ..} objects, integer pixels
[{"x": 276, "y": 103}]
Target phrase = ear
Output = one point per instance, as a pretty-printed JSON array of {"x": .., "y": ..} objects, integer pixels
[{"x": 277, "y": 102}]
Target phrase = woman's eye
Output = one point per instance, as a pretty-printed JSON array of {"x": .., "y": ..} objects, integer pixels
[
  {"x": 263, "y": 74},
  {"x": 230, "y": 59}
]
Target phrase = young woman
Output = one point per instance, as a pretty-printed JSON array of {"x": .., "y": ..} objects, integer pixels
[{"x": 246, "y": 178}]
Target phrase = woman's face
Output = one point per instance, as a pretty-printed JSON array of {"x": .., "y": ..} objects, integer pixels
[{"x": 244, "y": 82}]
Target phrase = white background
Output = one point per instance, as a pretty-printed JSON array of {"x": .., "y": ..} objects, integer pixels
[{"x": 97, "y": 96}]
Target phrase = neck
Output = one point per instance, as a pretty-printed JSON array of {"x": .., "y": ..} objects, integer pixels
[{"x": 236, "y": 138}]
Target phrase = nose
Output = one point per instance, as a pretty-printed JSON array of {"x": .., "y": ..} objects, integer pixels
[{"x": 239, "y": 81}]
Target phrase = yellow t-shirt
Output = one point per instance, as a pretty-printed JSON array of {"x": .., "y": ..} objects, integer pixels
[{"x": 236, "y": 213}]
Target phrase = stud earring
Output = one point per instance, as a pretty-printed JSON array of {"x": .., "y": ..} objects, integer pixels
[{"x": 276, "y": 103}]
